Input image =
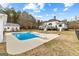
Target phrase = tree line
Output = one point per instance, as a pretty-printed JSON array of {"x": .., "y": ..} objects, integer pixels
[{"x": 24, "y": 19}]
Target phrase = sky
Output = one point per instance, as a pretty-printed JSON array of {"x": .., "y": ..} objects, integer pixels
[{"x": 46, "y": 11}]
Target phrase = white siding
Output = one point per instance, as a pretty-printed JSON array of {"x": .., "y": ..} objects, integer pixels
[
  {"x": 1, "y": 30},
  {"x": 3, "y": 19},
  {"x": 12, "y": 28},
  {"x": 53, "y": 23}
]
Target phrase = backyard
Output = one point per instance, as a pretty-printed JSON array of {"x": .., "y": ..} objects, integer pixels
[{"x": 66, "y": 44}]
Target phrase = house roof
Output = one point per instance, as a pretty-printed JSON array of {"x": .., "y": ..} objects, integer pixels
[
  {"x": 12, "y": 24},
  {"x": 53, "y": 20}
]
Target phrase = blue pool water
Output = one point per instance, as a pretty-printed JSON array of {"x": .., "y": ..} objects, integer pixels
[{"x": 25, "y": 35}]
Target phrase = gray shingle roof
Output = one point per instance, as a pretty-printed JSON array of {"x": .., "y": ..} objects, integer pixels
[{"x": 12, "y": 24}]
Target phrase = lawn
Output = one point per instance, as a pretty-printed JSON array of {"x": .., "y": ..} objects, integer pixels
[
  {"x": 3, "y": 49},
  {"x": 66, "y": 44}
]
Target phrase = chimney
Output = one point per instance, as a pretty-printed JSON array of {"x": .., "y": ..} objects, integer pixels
[{"x": 55, "y": 17}]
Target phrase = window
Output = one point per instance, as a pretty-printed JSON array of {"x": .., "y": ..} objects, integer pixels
[
  {"x": 60, "y": 25},
  {"x": 50, "y": 24},
  {"x": 7, "y": 27}
]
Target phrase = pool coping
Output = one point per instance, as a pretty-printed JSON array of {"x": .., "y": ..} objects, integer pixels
[{"x": 13, "y": 48}]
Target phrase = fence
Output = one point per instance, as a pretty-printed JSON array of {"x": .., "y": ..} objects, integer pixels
[{"x": 73, "y": 25}]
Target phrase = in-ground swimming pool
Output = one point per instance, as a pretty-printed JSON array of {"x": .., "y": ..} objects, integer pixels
[{"x": 25, "y": 35}]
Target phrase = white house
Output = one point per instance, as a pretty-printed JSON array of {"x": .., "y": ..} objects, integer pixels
[
  {"x": 62, "y": 26},
  {"x": 3, "y": 18},
  {"x": 11, "y": 27},
  {"x": 4, "y": 26},
  {"x": 54, "y": 24}
]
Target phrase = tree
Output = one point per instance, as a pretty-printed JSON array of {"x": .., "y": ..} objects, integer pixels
[
  {"x": 38, "y": 23},
  {"x": 13, "y": 15},
  {"x": 16, "y": 16},
  {"x": 26, "y": 20},
  {"x": 7, "y": 11}
]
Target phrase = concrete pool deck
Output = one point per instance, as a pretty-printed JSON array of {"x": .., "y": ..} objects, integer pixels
[{"x": 15, "y": 46}]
